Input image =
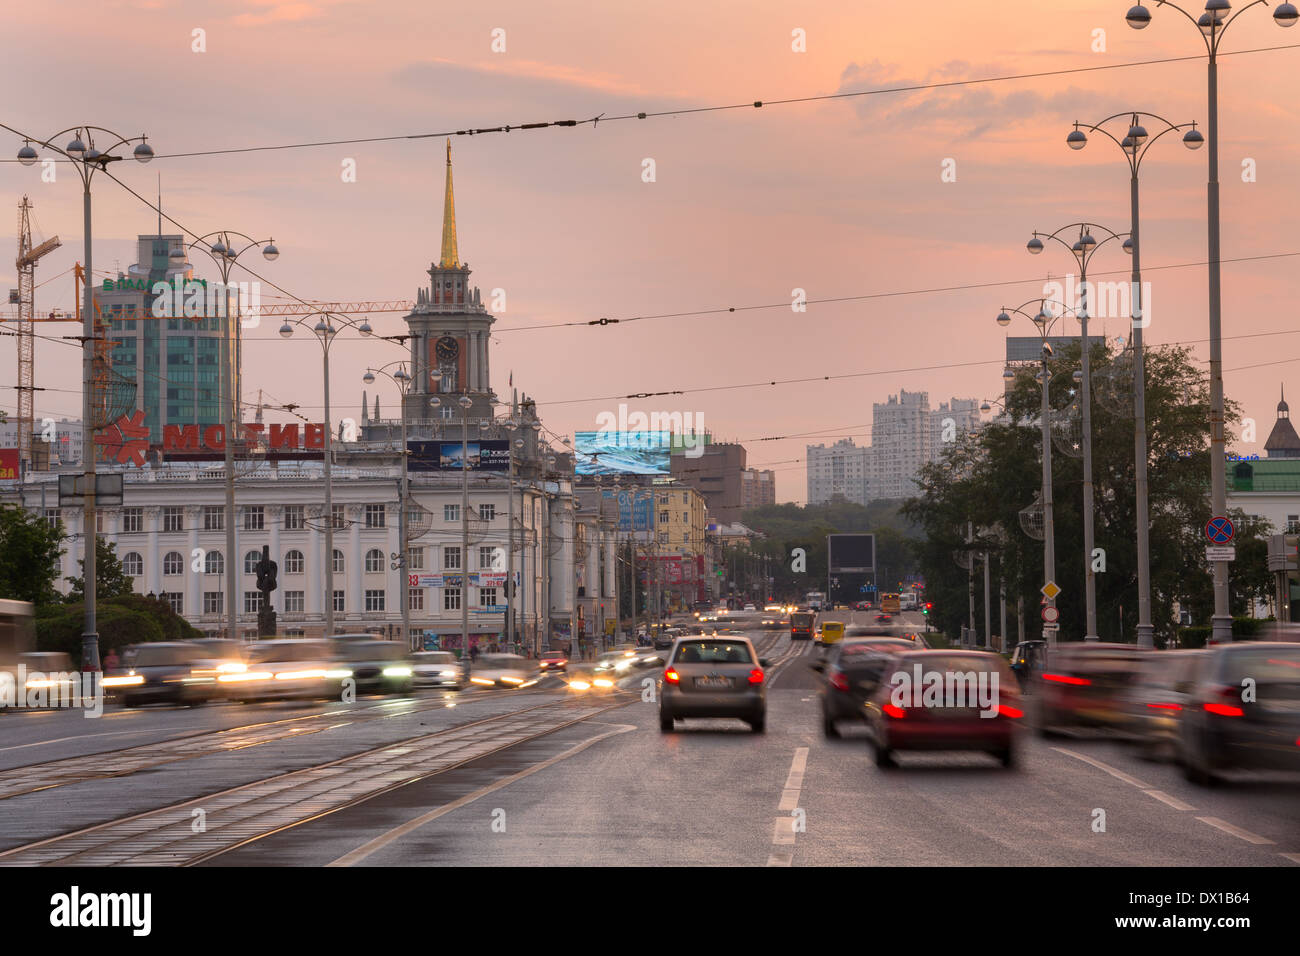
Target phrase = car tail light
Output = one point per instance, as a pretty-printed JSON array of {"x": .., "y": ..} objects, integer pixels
[
  {"x": 672, "y": 676},
  {"x": 1221, "y": 707},
  {"x": 1225, "y": 710},
  {"x": 1067, "y": 679},
  {"x": 839, "y": 681},
  {"x": 756, "y": 676},
  {"x": 893, "y": 710},
  {"x": 1166, "y": 706},
  {"x": 1008, "y": 711}
]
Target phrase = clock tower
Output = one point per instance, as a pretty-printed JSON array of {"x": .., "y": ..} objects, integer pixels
[{"x": 451, "y": 332}]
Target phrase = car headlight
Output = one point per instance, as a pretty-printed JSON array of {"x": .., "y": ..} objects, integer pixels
[
  {"x": 129, "y": 680},
  {"x": 446, "y": 673},
  {"x": 397, "y": 672}
]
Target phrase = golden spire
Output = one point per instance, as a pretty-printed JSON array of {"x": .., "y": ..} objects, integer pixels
[{"x": 450, "y": 255}]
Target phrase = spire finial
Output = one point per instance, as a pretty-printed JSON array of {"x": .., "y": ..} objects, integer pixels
[{"x": 450, "y": 254}]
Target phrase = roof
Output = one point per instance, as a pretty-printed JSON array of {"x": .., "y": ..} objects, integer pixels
[{"x": 1266, "y": 474}]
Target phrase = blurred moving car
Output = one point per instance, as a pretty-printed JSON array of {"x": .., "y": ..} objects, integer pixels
[
  {"x": 852, "y": 672},
  {"x": 163, "y": 672},
  {"x": 437, "y": 669},
  {"x": 955, "y": 724},
  {"x": 1244, "y": 711},
  {"x": 49, "y": 673},
  {"x": 287, "y": 669},
  {"x": 1087, "y": 685},
  {"x": 502, "y": 670},
  {"x": 584, "y": 677},
  {"x": 378, "y": 667},
  {"x": 552, "y": 662},
  {"x": 665, "y": 637},
  {"x": 616, "y": 663},
  {"x": 1159, "y": 697},
  {"x": 714, "y": 677},
  {"x": 883, "y": 618}
]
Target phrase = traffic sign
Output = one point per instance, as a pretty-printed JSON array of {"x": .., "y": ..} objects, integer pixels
[
  {"x": 1051, "y": 614},
  {"x": 1228, "y": 553},
  {"x": 1219, "y": 530},
  {"x": 1051, "y": 590}
]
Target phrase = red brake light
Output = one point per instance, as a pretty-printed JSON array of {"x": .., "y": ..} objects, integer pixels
[
  {"x": 1166, "y": 706},
  {"x": 756, "y": 676},
  {"x": 839, "y": 681},
  {"x": 672, "y": 676},
  {"x": 1013, "y": 712},
  {"x": 1067, "y": 679},
  {"x": 1225, "y": 710},
  {"x": 894, "y": 711}
]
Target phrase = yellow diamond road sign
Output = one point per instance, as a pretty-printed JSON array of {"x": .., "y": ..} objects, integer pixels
[{"x": 1050, "y": 590}]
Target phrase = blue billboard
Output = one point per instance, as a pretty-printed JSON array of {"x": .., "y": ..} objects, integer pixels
[
  {"x": 635, "y": 509},
  {"x": 622, "y": 453}
]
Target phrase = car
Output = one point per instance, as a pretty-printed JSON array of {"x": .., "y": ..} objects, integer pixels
[
  {"x": 832, "y": 632},
  {"x": 502, "y": 670},
  {"x": 437, "y": 669},
  {"x": 50, "y": 674},
  {"x": 587, "y": 678},
  {"x": 552, "y": 662},
  {"x": 750, "y": 607},
  {"x": 884, "y": 618},
  {"x": 1159, "y": 697},
  {"x": 862, "y": 606},
  {"x": 1086, "y": 685},
  {"x": 1244, "y": 711},
  {"x": 162, "y": 672},
  {"x": 664, "y": 638},
  {"x": 292, "y": 668},
  {"x": 378, "y": 667},
  {"x": 979, "y": 709},
  {"x": 614, "y": 663},
  {"x": 714, "y": 677},
  {"x": 852, "y": 671}
]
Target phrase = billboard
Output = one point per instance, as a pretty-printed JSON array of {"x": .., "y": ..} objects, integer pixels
[
  {"x": 8, "y": 464},
  {"x": 634, "y": 509},
  {"x": 622, "y": 453},
  {"x": 850, "y": 553},
  {"x": 483, "y": 455}
]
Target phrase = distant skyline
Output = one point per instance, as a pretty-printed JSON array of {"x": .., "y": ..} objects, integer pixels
[{"x": 843, "y": 199}]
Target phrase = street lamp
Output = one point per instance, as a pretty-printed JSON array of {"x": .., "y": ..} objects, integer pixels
[
  {"x": 1134, "y": 145},
  {"x": 1043, "y": 321},
  {"x": 325, "y": 331},
  {"x": 401, "y": 560},
  {"x": 222, "y": 252},
  {"x": 1083, "y": 249},
  {"x": 1211, "y": 25},
  {"x": 86, "y": 159}
]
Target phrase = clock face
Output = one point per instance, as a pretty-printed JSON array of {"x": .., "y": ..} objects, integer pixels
[{"x": 447, "y": 349}]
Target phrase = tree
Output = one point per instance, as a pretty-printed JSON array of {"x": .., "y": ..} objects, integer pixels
[
  {"x": 110, "y": 578},
  {"x": 29, "y": 552}
]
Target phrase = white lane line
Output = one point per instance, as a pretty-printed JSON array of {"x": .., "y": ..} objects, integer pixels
[
  {"x": 378, "y": 843},
  {"x": 1237, "y": 831},
  {"x": 783, "y": 827},
  {"x": 1117, "y": 774},
  {"x": 59, "y": 740},
  {"x": 1166, "y": 799}
]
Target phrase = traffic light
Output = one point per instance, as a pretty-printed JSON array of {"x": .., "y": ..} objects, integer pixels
[{"x": 928, "y": 605}]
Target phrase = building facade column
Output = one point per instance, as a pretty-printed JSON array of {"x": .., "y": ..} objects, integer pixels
[
  {"x": 313, "y": 565},
  {"x": 355, "y": 600},
  {"x": 152, "y": 559},
  {"x": 193, "y": 590}
]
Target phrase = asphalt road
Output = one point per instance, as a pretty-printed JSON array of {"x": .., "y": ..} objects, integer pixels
[{"x": 539, "y": 778}]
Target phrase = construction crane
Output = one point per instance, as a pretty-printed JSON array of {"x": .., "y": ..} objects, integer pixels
[{"x": 25, "y": 298}]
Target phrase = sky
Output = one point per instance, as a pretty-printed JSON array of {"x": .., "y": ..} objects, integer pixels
[{"x": 911, "y": 208}]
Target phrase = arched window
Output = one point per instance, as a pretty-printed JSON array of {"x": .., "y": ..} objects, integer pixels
[
  {"x": 133, "y": 564},
  {"x": 293, "y": 562},
  {"x": 173, "y": 563},
  {"x": 250, "y": 561},
  {"x": 214, "y": 562},
  {"x": 338, "y": 561},
  {"x": 374, "y": 561}
]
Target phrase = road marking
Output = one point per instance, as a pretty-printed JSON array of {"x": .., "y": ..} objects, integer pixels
[
  {"x": 783, "y": 832},
  {"x": 59, "y": 740},
  {"x": 1166, "y": 799},
  {"x": 1237, "y": 831},
  {"x": 378, "y": 843},
  {"x": 1117, "y": 774}
]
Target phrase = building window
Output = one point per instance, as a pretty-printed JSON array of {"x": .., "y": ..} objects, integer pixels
[
  {"x": 52, "y": 517},
  {"x": 340, "y": 521},
  {"x": 338, "y": 561},
  {"x": 375, "y": 515},
  {"x": 294, "y": 632},
  {"x": 214, "y": 562},
  {"x": 339, "y": 603},
  {"x": 416, "y": 599},
  {"x": 173, "y": 518},
  {"x": 293, "y": 562},
  {"x": 686, "y": 518},
  {"x": 415, "y": 559},
  {"x": 133, "y": 564},
  {"x": 212, "y": 602},
  {"x": 251, "y": 560},
  {"x": 487, "y": 597},
  {"x": 663, "y": 517},
  {"x": 132, "y": 518},
  {"x": 663, "y": 537},
  {"x": 451, "y": 559},
  {"x": 214, "y": 518},
  {"x": 374, "y": 561},
  {"x": 252, "y": 602},
  {"x": 293, "y": 602},
  {"x": 173, "y": 563},
  {"x": 374, "y": 600},
  {"x": 293, "y": 518},
  {"x": 451, "y": 512},
  {"x": 451, "y": 599},
  {"x": 487, "y": 512},
  {"x": 175, "y": 600},
  {"x": 486, "y": 557},
  {"x": 254, "y": 518}
]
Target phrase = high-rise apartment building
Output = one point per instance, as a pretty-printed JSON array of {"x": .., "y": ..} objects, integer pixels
[
  {"x": 840, "y": 470},
  {"x": 757, "y": 488}
]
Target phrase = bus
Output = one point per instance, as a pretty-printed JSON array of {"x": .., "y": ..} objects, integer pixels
[
  {"x": 889, "y": 603},
  {"x": 17, "y": 637},
  {"x": 815, "y": 600}
]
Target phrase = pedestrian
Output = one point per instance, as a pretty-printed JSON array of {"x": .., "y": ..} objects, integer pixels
[
  {"x": 473, "y": 653},
  {"x": 111, "y": 661}
]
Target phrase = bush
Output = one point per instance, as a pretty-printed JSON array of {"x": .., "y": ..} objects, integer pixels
[
  {"x": 1242, "y": 627},
  {"x": 118, "y": 626}
]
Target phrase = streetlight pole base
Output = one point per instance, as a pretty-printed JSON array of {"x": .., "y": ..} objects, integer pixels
[
  {"x": 90, "y": 651},
  {"x": 1146, "y": 635},
  {"x": 1221, "y": 629},
  {"x": 1091, "y": 638}
]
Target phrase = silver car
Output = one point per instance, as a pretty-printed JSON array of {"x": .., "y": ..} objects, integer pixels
[
  {"x": 437, "y": 669},
  {"x": 502, "y": 670},
  {"x": 717, "y": 676}
]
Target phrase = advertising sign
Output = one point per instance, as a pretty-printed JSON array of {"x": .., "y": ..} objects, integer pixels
[
  {"x": 634, "y": 509},
  {"x": 852, "y": 553},
  {"x": 8, "y": 464},
  {"x": 486, "y": 455},
  {"x": 622, "y": 453}
]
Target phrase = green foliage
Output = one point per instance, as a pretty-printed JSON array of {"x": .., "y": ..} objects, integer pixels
[
  {"x": 110, "y": 579},
  {"x": 29, "y": 551},
  {"x": 118, "y": 626}
]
